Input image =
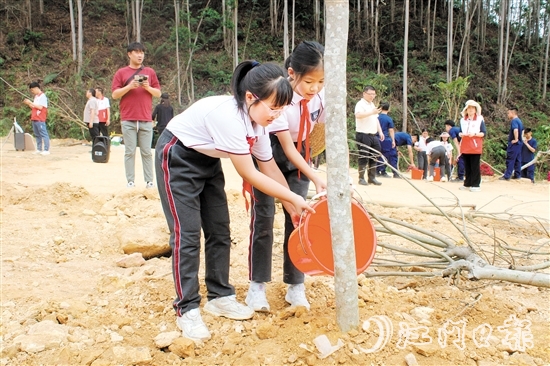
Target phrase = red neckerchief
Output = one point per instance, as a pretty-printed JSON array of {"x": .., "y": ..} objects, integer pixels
[
  {"x": 305, "y": 124},
  {"x": 247, "y": 187}
]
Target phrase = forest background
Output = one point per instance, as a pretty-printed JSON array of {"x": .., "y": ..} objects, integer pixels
[{"x": 495, "y": 52}]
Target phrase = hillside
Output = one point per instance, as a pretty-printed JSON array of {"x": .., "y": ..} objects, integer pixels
[{"x": 45, "y": 54}]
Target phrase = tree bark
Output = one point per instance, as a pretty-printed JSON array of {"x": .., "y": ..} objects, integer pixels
[
  {"x": 450, "y": 42},
  {"x": 405, "y": 67},
  {"x": 339, "y": 194},
  {"x": 545, "y": 82},
  {"x": 73, "y": 28},
  {"x": 177, "y": 26},
  {"x": 236, "y": 35},
  {"x": 285, "y": 30},
  {"x": 80, "y": 49}
]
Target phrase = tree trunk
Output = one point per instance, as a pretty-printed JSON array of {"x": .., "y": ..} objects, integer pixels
[
  {"x": 450, "y": 42},
  {"x": 236, "y": 33},
  {"x": 501, "y": 49},
  {"x": 73, "y": 28},
  {"x": 545, "y": 82},
  {"x": 177, "y": 26},
  {"x": 293, "y": 22},
  {"x": 377, "y": 39},
  {"x": 29, "y": 14},
  {"x": 405, "y": 67},
  {"x": 317, "y": 20},
  {"x": 285, "y": 29},
  {"x": 80, "y": 49},
  {"x": 41, "y": 7},
  {"x": 339, "y": 194}
]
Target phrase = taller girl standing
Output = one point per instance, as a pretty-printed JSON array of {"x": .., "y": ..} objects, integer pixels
[
  {"x": 191, "y": 185},
  {"x": 290, "y": 145}
]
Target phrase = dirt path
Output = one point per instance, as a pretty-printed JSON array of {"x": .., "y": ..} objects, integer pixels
[{"x": 62, "y": 220}]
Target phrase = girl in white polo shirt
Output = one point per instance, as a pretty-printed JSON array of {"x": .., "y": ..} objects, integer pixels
[
  {"x": 191, "y": 185},
  {"x": 289, "y": 136}
]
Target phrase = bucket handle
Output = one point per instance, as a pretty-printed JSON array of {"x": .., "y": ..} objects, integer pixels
[{"x": 316, "y": 197}]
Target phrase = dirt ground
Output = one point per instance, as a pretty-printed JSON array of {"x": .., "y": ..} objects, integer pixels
[{"x": 62, "y": 220}]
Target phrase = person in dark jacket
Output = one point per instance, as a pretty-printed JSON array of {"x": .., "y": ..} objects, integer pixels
[{"x": 163, "y": 113}]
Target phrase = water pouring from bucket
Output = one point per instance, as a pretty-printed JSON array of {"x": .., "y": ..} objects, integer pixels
[{"x": 310, "y": 244}]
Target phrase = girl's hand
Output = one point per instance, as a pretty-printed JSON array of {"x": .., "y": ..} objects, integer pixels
[
  {"x": 296, "y": 207},
  {"x": 320, "y": 185}
]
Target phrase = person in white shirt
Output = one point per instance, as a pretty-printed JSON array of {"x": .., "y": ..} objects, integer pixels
[
  {"x": 436, "y": 152},
  {"x": 91, "y": 114},
  {"x": 191, "y": 185},
  {"x": 449, "y": 148},
  {"x": 367, "y": 135},
  {"x": 289, "y": 135},
  {"x": 420, "y": 147},
  {"x": 104, "y": 112}
]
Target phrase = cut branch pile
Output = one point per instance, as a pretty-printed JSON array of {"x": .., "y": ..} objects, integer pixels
[{"x": 465, "y": 250}]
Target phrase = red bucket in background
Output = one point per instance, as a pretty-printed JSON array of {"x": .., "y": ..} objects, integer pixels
[
  {"x": 437, "y": 174},
  {"x": 310, "y": 244},
  {"x": 416, "y": 173}
]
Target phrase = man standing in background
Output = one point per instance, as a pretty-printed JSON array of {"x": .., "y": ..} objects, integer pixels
[
  {"x": 39, "y": 113},
  {"x": 90, "y": 114},
  {"x": 104, "y": 112},
  {"x": 515, "y": 142},
  {"x": 135, "y": 86},
  {"x": 367, "y": 128}
]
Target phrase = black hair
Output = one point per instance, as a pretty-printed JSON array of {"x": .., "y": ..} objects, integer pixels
[
  {"x": 428, "y": 140},
  {"x": 34, "y": 84},
  {"x": 424, "y": 130},
  {"x": 262, "y": 80},
  {"x": 527, "y": 130},
  {"x": 92, "y": 91},
  {"x": 305, "y": 58},
  {"x": 385, "y": 106},
  {"x": 515, "y": 109},
  {"x": 368, "y": 87},
  {"x": 135, "y": 46},
  {"x": 99, "y": 90},
  {"x": 450, "y": 123}
]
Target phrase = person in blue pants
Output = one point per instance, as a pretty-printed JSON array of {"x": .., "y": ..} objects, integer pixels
[
  {"x": 386, "y": 123},
  {"x": 453, "y": 132},
  {"x": 515, "y": 142},
  {"x": 401, "y": 139},
  {"x": 527, "y": 154}
]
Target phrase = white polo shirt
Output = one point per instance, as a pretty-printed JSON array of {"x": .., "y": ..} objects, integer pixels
[
  {"x": 367, "y": 124},
  {"x": 289, "y": 120},
  {"x": 215, "y": 127}
]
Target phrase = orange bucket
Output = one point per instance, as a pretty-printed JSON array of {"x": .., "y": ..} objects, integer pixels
[
  {"x": 310, "y": 244},
  {"x": 416, "y": 173},
  {"x": 437, "y": 174}
]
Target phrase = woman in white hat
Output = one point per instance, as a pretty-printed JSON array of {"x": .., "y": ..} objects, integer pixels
[{"x": 472, "y": 132}]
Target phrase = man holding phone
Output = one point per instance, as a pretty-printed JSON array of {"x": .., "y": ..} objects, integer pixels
[{"x": 135, "y": 86}]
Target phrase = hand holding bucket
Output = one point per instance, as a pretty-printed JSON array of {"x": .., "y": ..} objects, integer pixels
[{"x": 310, "y": 244}]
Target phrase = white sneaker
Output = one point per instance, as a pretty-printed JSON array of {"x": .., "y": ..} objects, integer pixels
[
  {"x": 130, "y": 184},
  {"x": 45, "y": 152},
  {"x": 37, "y": 152},
  {"x": 255, "y": 299},
  {"x": 296, "y": 295},
  {"x": 475, "y": 189},
  {"x": 430, "y": 178},
  {"x": 149, "y": 185},
  {"x": 443, "y": 179},
  {"x": 192, "y": 326},
  {"x": 228, "y": 307}
]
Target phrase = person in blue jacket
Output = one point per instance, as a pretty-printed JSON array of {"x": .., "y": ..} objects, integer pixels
[
  {"x": 401, "y": 139},
  {"x": 386, "y": 124},
  {"x": 515, "y": 142},
  {"x": 528, "y": 154}
]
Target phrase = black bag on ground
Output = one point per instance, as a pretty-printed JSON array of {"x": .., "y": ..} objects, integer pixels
[{"x": 101, "y": 149}]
